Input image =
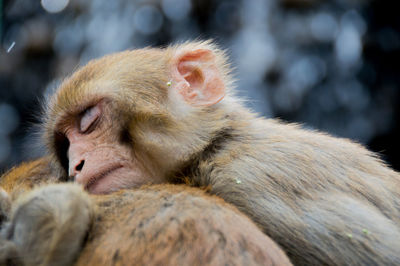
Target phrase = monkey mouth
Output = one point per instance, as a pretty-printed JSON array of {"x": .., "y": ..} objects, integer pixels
[{"x": 99, "y": 176}]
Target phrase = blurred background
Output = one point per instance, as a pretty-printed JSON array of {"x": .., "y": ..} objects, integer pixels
[{"x": 330, "y": 65}]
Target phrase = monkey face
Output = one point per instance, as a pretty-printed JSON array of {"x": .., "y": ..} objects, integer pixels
[{"x": 97, "y": 158}]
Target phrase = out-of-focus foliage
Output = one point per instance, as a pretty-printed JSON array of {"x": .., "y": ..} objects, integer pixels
[{"x": 332, "y": 65}]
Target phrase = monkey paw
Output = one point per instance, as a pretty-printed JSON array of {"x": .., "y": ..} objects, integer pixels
[
  {"x": 49, "y": 224},
  {"x": 9, "y": 254},
  {"x": 5, "y": 206}
]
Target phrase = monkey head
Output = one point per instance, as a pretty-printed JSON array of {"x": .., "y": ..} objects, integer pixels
[{"x": 133, "y": 117}]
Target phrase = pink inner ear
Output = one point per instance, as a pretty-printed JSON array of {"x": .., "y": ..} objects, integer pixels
[
  {"x": 191, "y": 73},
  {"x": 198, "y": 78},
  {"x": 198, "y": 55}
]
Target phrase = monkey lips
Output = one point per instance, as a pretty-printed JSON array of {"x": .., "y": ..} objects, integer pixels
[
  {"x": 110, "y": 179},
  {"x": 97, "y": 183}
]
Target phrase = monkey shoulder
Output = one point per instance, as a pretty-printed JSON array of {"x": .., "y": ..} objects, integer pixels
[
  {"x": 185, "y": 225},
  {"x": 272, "y": 138},
  {"x": 28, "y": 175}
]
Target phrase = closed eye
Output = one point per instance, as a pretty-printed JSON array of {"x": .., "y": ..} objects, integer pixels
[{"x": 89, "y": 119}]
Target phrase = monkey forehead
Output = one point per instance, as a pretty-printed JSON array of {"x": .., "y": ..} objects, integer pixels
[
  {"x": 130, "y": 77},
  {"x": 134, "y": 72}
]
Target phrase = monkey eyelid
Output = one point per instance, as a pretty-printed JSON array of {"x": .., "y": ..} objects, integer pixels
[{"x": 89, "y": 119}]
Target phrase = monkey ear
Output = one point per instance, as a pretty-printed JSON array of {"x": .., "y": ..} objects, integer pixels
[{"x": 197, "y": 78}]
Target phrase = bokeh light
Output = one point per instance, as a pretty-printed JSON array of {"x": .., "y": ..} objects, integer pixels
[
  {"x": 176, "y": 9},
  {"x": 148, "y": 19},
  {"x": 54, "y": 6},
  {"x": 9, "y": 119}
]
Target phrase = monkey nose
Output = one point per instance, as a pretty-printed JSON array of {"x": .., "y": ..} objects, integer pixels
[{"x": 75, "y": 169}]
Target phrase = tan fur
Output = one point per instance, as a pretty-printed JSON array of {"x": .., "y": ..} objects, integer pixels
[
  {"x": 155, "y": 225},
  {"x": 325, "y": 200},
  {"x": 49, "y": 224}
]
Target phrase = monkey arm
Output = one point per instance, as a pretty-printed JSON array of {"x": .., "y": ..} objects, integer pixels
[
  {"x": 9, "y": 253},
  {"x": 5, "y": 206},
  {"x": 47, "y": 226}
]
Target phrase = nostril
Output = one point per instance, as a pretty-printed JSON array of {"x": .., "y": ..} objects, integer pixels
[{"x": 80, "y": 166}]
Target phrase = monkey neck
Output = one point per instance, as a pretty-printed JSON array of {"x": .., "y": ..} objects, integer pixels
[
  {"x": 232, "y": 127},
  {"x": 191, "y": 167}
]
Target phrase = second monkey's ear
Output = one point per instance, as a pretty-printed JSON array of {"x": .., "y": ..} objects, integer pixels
[{"x": 196, "y": 77}]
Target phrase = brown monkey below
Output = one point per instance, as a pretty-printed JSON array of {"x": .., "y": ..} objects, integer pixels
[{"x": 155, "y": 225}]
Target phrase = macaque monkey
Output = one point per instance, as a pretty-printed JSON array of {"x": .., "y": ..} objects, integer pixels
[
  {"x": 170, "y": 115},
  {"x": 60, "y": 224}
]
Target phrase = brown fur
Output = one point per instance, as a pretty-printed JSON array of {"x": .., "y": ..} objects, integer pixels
[
  {"x": 27, "y": 175},
  {"x": 325, "y": 200},
  {"x": 175, "y": 225},
  {"x": 155, "y": 225}
]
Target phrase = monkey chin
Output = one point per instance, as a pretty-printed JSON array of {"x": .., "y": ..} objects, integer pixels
[{"x": 111, "y": 180}]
